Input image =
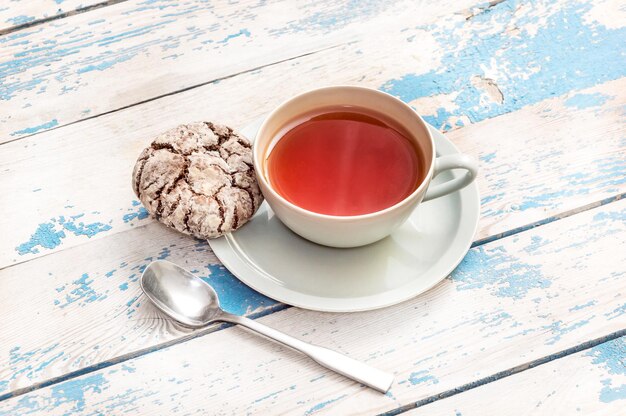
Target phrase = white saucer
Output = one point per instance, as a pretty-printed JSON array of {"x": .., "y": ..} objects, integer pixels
[{"x": 271, "y": 259}]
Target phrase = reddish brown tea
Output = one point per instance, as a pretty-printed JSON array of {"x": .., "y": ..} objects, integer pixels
[{"x": 344, "y": 161}]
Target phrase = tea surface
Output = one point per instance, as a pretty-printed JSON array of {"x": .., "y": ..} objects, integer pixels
[{"x": 344, "y": 161}]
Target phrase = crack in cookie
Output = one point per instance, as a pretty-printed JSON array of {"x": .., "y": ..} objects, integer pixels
[
  {"x": 253, "y": 200},
  {"x": 160, "y": 146},
  {"x": 179, "y": 178},
  {"x": 141, "y": 163},
  {"x": 222, "y": 213}
]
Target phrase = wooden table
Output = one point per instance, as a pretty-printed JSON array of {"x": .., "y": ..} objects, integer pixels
[{"x": 532, "y": 322}]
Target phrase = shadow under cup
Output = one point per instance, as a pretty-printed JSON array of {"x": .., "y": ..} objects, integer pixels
[{"x": 350, "y": 230}]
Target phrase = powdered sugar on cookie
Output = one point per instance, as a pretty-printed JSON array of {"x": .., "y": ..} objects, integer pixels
[{"x": 198, "y": 179}]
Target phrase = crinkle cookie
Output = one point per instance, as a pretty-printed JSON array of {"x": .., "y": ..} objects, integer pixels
[{"x": 198, "y": 178}]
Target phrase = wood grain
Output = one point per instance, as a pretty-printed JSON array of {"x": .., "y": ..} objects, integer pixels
[
  {"x": 544, "y": 117},
  {"x": 85, "y": 193},
  {"x": 475, "y": 63},
  {"x": 577, "y": 115},
  {"x": 591, "y": 382},
  {"x": 14, "y": 14},
  {"x": 73, "y": 208},
  {"x": 84, "y": 306},
  {"x": 92, "y": 63},
  {"x": 511, "y": 302}
]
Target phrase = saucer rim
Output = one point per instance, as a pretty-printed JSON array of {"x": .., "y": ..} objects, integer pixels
[{"x": 226, "y": 250}]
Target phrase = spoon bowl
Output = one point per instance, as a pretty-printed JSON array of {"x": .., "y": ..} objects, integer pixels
[
  {"x": 180, "y": 294},
  {"x": 193, "y": 302}
]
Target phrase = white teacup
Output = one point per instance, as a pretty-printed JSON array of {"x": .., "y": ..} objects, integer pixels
[{"x": 357, "y": 230}]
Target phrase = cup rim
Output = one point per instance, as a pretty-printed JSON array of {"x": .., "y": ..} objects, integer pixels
[{"x": 343, "y": 218}]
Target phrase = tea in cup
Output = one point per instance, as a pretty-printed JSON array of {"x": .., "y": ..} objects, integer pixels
[{"x": 345, "y": 166}]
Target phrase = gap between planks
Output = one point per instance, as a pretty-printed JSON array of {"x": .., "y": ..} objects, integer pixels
[
  {"x": 524, "y": 217},
  {"x": 548, "y": 220},
  {"x": 68, "y": 13},
  {"x": 588, "y": 382},
  {"x": 476, "y": 243},
  {"x": 280, "y": 307},
  {"x": 182, "y": 90},
  {"x": 494, "y": 203},
  {"x": 135, "y": 354},
  {"x": 609, "y": 218},
  {"x": 195, "y": 81},
  {"x": 506, "y": 373}
]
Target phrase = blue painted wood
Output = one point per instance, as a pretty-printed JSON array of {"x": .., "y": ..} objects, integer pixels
[
  {"x": 573, "y": 66},
  {"x": 17, "y": 14},
  {"x": 532, "y": 297},
  {"x": 468, "y": 49},
  {"x": 70, "y": 58},
  {"x": 591, "y": 380},
  {"x": 535, "y": 55},
  {"x": 525, "y": 70},
  {"x": 469, "y": 43},
  {"x": 533, "y": 72},
  {"x": 612, "y": 357}
]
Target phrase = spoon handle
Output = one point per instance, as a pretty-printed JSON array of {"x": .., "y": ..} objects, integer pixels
[{"x": 344, "y": 365}]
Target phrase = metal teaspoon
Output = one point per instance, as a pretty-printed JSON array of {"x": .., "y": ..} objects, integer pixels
[{"x": 193, "y": 302}]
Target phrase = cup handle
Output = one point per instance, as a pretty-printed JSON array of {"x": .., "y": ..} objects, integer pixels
[{"x": 448, "y": 162}]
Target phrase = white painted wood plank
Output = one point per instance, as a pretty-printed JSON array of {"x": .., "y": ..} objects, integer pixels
[
  {"x": 106, "y": 161},
  {"x": 524, "y": 177},
  {"x": 473, "y": 64},
  {"x": 591, "y": 382},
  {"x": 79, "y": 307},
  {"x": 115, "y": 56},
  {"x": 15, "y": 13},
  {"x": 59, "y": 275},
  {"x": 510, "y": 302},
  {"x": 118, "y": 138},
  {"x": 104, "y": 199}
]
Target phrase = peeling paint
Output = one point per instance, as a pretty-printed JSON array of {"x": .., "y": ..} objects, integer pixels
[
  {"x": 322, "y": 405},
  {"x": 235, "y": 297},
  {"x": 611, "y": 356},
  {"x": 423, "y": 376},
  {"x": 31, "y": 130},
  {"x": 581, "y": 101},
  {"x": 81, "y": 292},
  {"x": 493, "y": 267},
  {"x": 530, "y": 68}
]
